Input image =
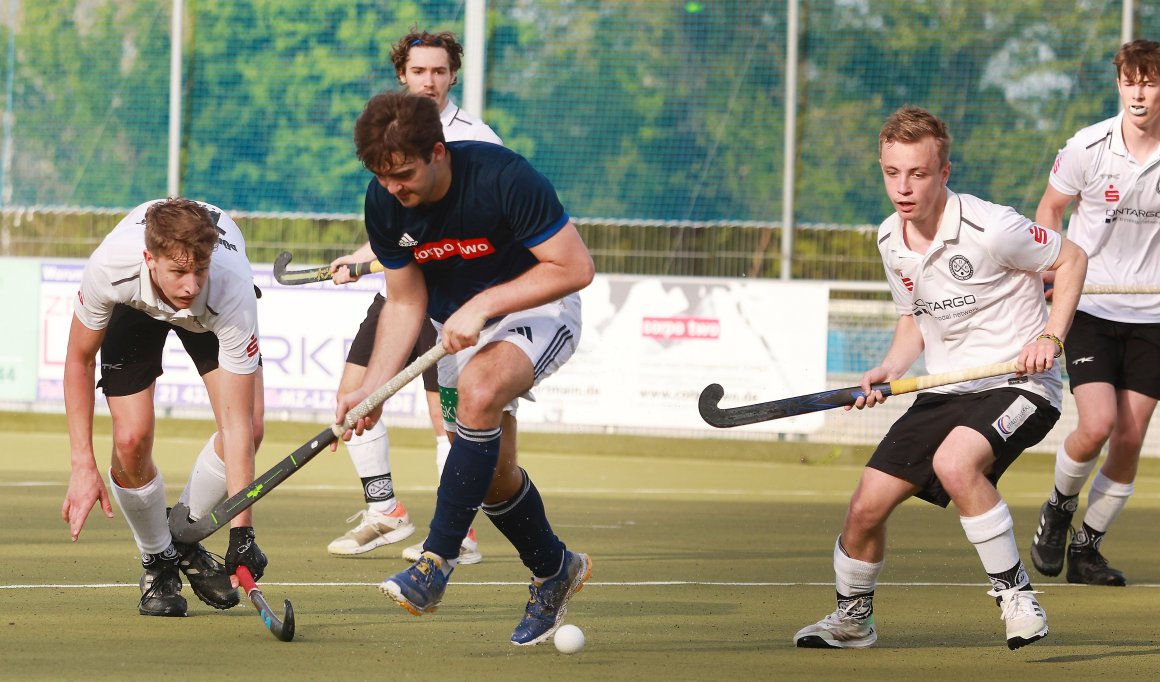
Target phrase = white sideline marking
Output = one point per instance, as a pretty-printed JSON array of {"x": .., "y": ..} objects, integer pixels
[
  {"x": 723, "y": 492},
  {"x": 658, "y": 583}
]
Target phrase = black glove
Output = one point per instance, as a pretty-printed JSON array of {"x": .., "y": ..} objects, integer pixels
[{"x": 244, "y": 551}]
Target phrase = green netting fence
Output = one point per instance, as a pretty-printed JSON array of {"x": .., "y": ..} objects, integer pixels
[{"x": 661, "y": 123}]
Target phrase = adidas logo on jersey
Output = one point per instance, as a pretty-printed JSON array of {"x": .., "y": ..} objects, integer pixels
[{"x": 407, "y": 241}]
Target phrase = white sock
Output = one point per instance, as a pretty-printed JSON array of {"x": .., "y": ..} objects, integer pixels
[
  {"x": 371, "y": 455},
  {"x": 144, "y": 509},
  {"x": 853, "y": 577},
  {"x": 1106, "y": 500},
  {"x": 206, "y": 486},
  {"x": 1070, "y": 475},
  {"x": 993, "y": 535},
  {"x": 442, "y": 447}
]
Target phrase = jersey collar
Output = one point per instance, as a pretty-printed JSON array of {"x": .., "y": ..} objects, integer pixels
[
  {"x": 1117, "y": 144},
  {"x": 448, "y": 114}
]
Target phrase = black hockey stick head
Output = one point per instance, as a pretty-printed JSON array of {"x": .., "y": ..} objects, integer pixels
[
  {"x": 282, "y": 628},
  {"x": 707, "y": 405},
  {"x": 186, "y": 531},
  {"x": 293, "y": 277},
  {"x": 727, "y": 418}
]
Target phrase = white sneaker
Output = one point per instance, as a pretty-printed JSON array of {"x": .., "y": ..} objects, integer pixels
[
  {"x": 1025, "y": 618},
  {"x": 373, "y": 530},
  {"x": 851, "y": 627},
  {"x": 468, "y": 550}
]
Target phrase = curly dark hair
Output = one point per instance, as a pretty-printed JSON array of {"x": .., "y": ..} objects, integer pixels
[{"x": 416, "y": 38}]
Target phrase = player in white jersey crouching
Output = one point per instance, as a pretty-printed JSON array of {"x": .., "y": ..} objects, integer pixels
[
  {"x": 1112, "y": 169},
  {"x": 965, "y": 278},
  {"x": 172, "y": 265}
]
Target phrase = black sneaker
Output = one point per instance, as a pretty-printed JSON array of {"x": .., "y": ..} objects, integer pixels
[
  {"x": 161, "y": 586},
  {"x": 1050, "y": 541},
  {"x": 207, "y": 576},
  {"x": 1086, "y": 566}
]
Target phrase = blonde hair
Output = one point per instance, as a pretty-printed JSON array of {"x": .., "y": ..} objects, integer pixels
[{"x": 913, "y": 124}]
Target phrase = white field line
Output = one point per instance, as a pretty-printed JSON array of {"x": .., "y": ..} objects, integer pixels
[
  {"x": 653, "y": 583},
  {"x": 723, "y": 492}
]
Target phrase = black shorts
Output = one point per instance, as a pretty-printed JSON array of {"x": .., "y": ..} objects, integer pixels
[
  {"x": 1123, "y": 354},
  {"x": 907, "y": 450},
  {"x": 132, "y": 348},
  {"x": 364, "y": 343}
]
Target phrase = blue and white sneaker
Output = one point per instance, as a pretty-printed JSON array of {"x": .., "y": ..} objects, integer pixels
[
  {"x": 419, "y": 589},
  {"x": 549, "y": 601}
]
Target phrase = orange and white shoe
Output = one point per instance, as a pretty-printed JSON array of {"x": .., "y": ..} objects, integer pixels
[{"x": 373, "y": 530}]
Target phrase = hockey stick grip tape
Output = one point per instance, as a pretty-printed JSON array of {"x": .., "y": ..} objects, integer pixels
[
  {"x": 912, "y": 384},
  {"x": 372, "y": 401}
]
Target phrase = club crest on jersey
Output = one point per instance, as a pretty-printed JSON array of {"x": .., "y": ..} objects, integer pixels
[{"x": 961, "y": 268}]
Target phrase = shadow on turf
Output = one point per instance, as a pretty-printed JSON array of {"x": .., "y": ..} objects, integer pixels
[{"x": 1082, "y": 658}]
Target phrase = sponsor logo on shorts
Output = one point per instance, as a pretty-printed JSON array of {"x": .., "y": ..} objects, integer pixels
[
  {"x": 252, "y": 347},
  {"x": 1013, "y": 417},
  {"x": 1086, "y": 358}
]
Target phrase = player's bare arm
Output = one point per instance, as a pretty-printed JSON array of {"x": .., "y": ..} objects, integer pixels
[
  {"x": 399, "y": 325},
  {"x": 1070, "y": 269},
  {"x": 236, "y": 426},
  {"x": 1052, "y": 206},
  {"x": 338, "y": 265},
  {"x": 905, "y": 347},
  {"x": 86, "y": 487},
  {"x": 1049, "y": 214},
  {"x": 565, "y": 267}
]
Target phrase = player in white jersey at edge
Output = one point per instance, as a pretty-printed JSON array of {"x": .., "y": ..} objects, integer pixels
[
  {"x": 426, "y": 64},
  {"x": 177, "y": 265},
  {"x": 965, "y": 278},
  {"x": 1111, "y": 170}
]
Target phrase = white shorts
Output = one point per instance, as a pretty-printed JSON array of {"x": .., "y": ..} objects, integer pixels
[{"x": 548, "y": 335}]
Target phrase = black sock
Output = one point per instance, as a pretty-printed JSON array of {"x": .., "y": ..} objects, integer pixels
[
  {"x": 1016, "y": 576},
  {"x": 524, "y": 522},
  {"x": 1064, "y": 503},
  {"x": 1087, "y": 538},
  {"x": 466, "y": 478},
  {"x": 857, "y": 606},
  {"x": 378, "y": 488}
]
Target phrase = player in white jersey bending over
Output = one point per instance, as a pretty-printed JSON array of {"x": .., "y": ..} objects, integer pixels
[
  {"x": 965, "y": 278},
  {"x": 1112, "y": 171},
  {"x": 426, "y": 64},
  {"x": 173, "y": 265}
]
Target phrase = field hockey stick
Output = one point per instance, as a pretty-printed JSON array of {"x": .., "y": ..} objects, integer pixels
[
  {"x": 283, "y": 628},
  {"x": 724, "y": 418},
  {"x": 1121, "y": 289},
  {"x": 187, "y": 531},
  {"x": 317, "y": 274}
]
